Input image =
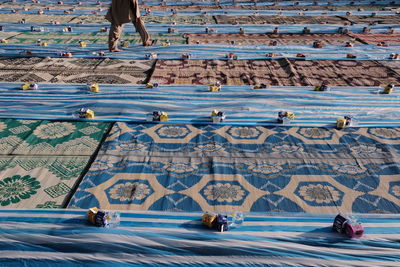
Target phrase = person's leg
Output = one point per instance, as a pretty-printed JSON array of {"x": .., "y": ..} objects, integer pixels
[
  {"x": 113, "y": 37},
  {"x": 141, "y": 29},
  {"x": 139, "y": 24}
]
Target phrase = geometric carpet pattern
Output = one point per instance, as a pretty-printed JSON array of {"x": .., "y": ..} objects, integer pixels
[
  {"x": 375, "y": 38},
  {"x": 344, "y": 73},
  {"x": 290, "y": 72},
  {"x": 340, "y": 20},
  {"x": 41, "y": 161},
  {"x": 236, "y": 72},
  {"x": 72, "y": 70},
  {"x": 179, "y": 20},
  {"x": 89, "y": 38},
  {"x": 101, "y": 20},
  {"x": 178, "y": 167},
  {"x": 373, "y": 19},
  {"x": 37, "y": 18},
  {"x": 238, "y": 160},
  {"x": 151, "y": 170},
  {"x": 245, "y": 39},
  {"x": 279, "y": 19}
]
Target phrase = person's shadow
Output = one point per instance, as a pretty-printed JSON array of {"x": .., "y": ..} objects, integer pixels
[{"x": 324, "y": 237}]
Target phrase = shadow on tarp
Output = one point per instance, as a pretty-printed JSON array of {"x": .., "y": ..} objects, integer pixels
[{"x": 321, "y": 236}]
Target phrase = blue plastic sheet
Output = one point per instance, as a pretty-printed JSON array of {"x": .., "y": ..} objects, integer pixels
[
  {"x": 64, "y": 237},
  {"x": 199, "y": 52},
  {"x": 215, "y": 12},
  {"x": 183, "y": 28},
  {"x": 221, "y": 2},
  {"x": 193, "y": 104}
]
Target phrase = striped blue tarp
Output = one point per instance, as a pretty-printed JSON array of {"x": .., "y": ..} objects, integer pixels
[
  {"x": 63, "y": 237},
  {"x": 193, "y": 104},
  {"x": 194, "y": 28},
  {"x": 214, "y": 12},
  {"x": 205, "y": 51},
  {"x": 220, "y": 2}
]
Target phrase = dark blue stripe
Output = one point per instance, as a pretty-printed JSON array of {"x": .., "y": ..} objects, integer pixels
[
  {"x": 251, "y": 217},
  {"x": 273, "y": 228}
]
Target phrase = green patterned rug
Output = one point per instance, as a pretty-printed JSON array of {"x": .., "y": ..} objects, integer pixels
[
  {"x": 89, "y": 38},
  {"x": 36, "y": 18},
  {"x": 59, "y": 38},
  {"x": 41, "y": 161},
  {"x": 8, "y": 35},
  {"x": 150, "y": 19},
  {"x": 179, "y": 19},
  {"x": 89, "y": 19}
]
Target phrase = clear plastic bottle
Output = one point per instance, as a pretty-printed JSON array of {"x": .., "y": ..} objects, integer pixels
[
  {"x": 237, "y": 219},
  {"x": 112, "y": 219},
  {"x": 286, "y": 120}
]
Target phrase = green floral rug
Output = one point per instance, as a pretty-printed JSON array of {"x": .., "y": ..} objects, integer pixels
[
  {"x": 179, "y": 19},
  {"x": 150, "y": 19},
  {"x": 41, "y": 161},
  {"x": 89, "y": 38},
  {"x": 36, "y": 18}
]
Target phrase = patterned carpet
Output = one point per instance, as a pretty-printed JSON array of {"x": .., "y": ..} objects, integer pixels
[
  {"x": 219, "y": 19},
  {"x": 252, "y": 168},
  {"x": 41, "y": 161},
  {"x": 393, "y": 65},
  {"x": 147, "y": 19},
  {"x": 88, "y": 19},
  {"x": 279, "y": 20},
  {"x": 241, "y": 72},
  {"x": 375, "y": 38},
  {"x": 300, "y": 8},
  {"x": 60, "y": 38},
  {"x": 198, "y": 167},
  {"x": 179, "y": 19},
  {"x": 288, "y": 180},
  {"x": 301, "y": 39},
  {"x": 37, "y": 18},
  {"x": 72, "y": 70},
  {"x": 343, "y": 73},
  {"x": 89, "y": 38},
  {"x": 288, "y": 72},
  {"x": 371, "y": 20}
]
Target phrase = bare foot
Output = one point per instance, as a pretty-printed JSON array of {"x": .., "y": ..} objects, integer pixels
[
  {"x": 115, "y": 50},
  {"x": 150, "y": 43}
]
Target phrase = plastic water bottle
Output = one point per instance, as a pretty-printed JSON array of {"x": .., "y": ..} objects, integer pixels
[
  {"x": 286, "y": 120},
  {"x": 113, "y": 219},
  {"x": 237, "y": 219},
  {"x": 354, "y": 123}
]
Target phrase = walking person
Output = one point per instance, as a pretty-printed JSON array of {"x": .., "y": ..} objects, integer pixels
[{"x": 121, "y": 12}]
